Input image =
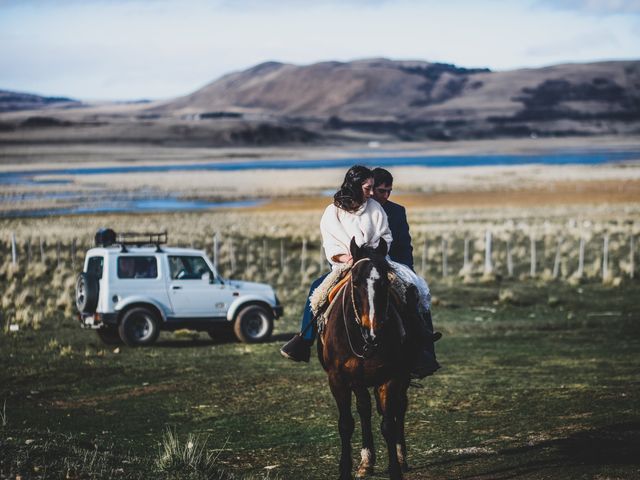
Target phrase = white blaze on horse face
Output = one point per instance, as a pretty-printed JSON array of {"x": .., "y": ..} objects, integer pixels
[
  {"x": 366, "y": 456},
  {"x": 373, "y": 276}
]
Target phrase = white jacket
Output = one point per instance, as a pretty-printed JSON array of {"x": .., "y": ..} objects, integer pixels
[{"x": 367, "y": 225}]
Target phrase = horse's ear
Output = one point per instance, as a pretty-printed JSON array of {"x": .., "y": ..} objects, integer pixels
[
  {"x": 354, "y": 249},
  {"x": 381, "y": 249}
]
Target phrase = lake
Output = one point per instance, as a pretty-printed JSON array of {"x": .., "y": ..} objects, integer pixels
[{"x": 151, "y": 202}]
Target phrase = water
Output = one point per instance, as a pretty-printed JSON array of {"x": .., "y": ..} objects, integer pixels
[
  {"x": 149, "y": 201},
  {"x": 563, "y": 158},
  {"x": 133, "y": 205}
]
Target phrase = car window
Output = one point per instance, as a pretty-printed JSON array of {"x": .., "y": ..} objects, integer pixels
[
  {"x": 186, "y": 267},
  {"x": 95, "y": 266},
  {"x": 137, "y": 267}
]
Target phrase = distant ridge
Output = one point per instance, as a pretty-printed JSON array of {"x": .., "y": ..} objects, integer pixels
[
  {"x": 14, "y": 101},
  {"x": 332, "y": 102},
  {"x": 417, "y": 99}
]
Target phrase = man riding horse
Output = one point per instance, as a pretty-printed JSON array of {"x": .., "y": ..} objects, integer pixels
[{"x": 366, "y": 220}]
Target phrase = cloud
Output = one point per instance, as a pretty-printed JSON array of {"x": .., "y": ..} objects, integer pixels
[{"x": 595, "y": 7}]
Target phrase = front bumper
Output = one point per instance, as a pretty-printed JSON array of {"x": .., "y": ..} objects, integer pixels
[{"x": 278, "y": 310}]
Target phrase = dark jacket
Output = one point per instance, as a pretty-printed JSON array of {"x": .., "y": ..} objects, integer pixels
[{"x": 401, "y": 249}]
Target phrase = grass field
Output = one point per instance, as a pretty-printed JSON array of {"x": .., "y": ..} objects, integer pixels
[
  {"x": 533, "y": 386},
  {"x": 541, "y": 376}
]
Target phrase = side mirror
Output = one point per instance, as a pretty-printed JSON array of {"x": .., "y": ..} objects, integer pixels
[{"x": 211, "y": 278}]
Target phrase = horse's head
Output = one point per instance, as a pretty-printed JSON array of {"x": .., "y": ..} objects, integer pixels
[{"x": 370, "y": 287}]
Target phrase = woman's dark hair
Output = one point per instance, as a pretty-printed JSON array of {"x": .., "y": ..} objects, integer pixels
[{"x": 350, "y": 197}]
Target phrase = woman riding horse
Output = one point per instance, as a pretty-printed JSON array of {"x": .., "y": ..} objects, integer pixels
[
  {"x": 355, "y": 215},
  {"x": 368, "y": 340}
]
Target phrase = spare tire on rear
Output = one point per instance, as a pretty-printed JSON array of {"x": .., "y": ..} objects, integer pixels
[{"x": 87, "y": 289}]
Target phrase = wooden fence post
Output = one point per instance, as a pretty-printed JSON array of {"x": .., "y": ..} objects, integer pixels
[
  {"x": 232, "y": 256},
  {"x": 264, "y": 256},
  {"x": 532, "y": 270},
  {"x": 509, "y": 259},
  {"x": 465, "y": 263},
  {"x": 215, "y": 251},
  {"x": 42, "y": 254},
  {"x": 58, "y": 249},
  {"x": 424, "y": 257},
  {"x": 556, "y": 262},
  {"x": 14, "y": 250},
  {"x": 581, "y": 258},
  {"x": 605, "y": 257},
  {"x": 632, "y": 264},
  {"x": 303, "y": 257},
  {"x": 282, "y": 257},
  {"x": 73, "y": 254},
  {"x": 29, "y": 251},
  {"x": 488, "y": 265},
  {"x": 444, "y": 258}
]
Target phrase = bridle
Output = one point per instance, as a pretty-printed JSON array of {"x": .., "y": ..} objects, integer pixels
[{"x": 370, "y": 346}]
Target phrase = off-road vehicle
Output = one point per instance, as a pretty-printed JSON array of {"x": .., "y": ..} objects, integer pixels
[{"x": 133, "y": 286}]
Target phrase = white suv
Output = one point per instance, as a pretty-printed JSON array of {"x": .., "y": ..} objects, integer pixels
[{"x": 131, "y": 289}]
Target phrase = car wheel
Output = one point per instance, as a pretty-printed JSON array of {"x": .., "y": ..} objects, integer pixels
[
  {"x": 253, "y": 324},
  {"x": 86, "y": 293},
  {"x": 109, "y": 335},
  {"x": 139, "y": 326}
]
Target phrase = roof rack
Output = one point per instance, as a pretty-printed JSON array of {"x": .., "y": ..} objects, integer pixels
[{"x": 141, "y": 239}]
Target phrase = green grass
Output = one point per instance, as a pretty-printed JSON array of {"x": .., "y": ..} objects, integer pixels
[{"x": 542, "y": 385}]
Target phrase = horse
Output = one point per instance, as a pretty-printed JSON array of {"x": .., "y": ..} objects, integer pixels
[{"x": 361, "y": 346}]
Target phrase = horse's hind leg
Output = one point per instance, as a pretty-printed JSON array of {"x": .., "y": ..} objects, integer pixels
[
  {"x": 368, "y": 453},
  {"x": 388, "y": 403},
  {"x": 401, "y": 446},
  {"x": 346, "y": 424}
]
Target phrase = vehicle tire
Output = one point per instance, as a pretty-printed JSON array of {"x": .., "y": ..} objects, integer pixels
[
  {"x": 109, "y": 335},
  {"x": 139, "y": 326},
  {"x": 253, "y": 324},
  {"x": 87, "y": 289}
]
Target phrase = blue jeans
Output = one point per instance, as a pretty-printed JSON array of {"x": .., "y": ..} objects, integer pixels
[{"x": 309, "y": 332}]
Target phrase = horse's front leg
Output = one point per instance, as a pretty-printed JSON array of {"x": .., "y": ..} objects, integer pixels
[
  {"x": 401, "y": 445},
  {"x": 342, "y": 395},
  {"x": 388, "y": 402},
  {"x": 368, "y": 453}
]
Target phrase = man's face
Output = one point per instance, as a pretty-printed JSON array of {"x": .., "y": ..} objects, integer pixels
[{"x": 381, "y": 192}]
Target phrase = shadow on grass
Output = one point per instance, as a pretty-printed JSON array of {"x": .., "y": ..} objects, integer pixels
[
  {"x": 608, "y": 446},
  {"x": 222, "y": 339}
]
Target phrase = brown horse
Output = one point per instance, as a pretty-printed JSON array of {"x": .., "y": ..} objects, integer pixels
[{"x": 362, "y": 346}]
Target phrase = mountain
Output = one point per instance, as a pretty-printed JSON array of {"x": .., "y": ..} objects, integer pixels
[
  {"x": 336, "y": 102},
  {"x": 15, "y": 101},
  {"x": 417, "y": 100}
]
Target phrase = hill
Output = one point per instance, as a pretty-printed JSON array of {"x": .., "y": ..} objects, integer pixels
[
  {"x": 416, "y": 99},
  {"x": 14, "y": 101},
  {"x": 333, "y": 102}
]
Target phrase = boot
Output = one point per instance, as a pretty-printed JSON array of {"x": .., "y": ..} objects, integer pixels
[
  {"x": 297, "y": 349},
  {"x": 425, "y": 364}
]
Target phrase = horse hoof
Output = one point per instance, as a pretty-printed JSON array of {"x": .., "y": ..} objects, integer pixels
[{"x": 364, "y": 471}]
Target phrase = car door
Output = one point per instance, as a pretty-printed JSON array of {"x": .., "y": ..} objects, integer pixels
[{"x": 192, "y": 291}]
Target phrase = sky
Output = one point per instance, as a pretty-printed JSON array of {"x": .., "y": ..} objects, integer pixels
[{"x": 154, "y": 49}]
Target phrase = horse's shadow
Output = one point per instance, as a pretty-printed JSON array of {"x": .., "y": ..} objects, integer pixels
[{"x": 611, "y": 445}]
